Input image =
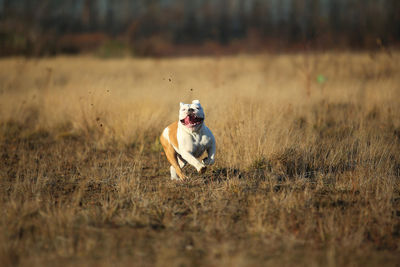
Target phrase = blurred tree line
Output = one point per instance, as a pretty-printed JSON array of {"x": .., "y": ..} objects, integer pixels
[{"x": 168, "y": 27}]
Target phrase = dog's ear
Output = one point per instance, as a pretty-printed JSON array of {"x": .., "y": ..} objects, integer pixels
[
  {"x": 196, "y": 102},
  {"x": 181, "y": 104}
]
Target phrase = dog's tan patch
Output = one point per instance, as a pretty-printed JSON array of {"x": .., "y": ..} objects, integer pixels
[
  {"x": 173, "y": 129},
  {"x": 170, "y": 152}
]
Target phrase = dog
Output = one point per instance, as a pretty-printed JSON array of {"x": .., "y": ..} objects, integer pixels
[{"x": 185, "y": 140}]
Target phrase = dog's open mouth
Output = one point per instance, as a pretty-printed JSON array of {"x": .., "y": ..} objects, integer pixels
[{"x": 192, "y": 120}]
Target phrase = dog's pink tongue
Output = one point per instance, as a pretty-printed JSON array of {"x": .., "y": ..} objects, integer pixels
[{"x": 187, "y": 120}]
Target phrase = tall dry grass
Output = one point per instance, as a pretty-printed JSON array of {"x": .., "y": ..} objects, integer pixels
[{"x": 307, "y": 168}]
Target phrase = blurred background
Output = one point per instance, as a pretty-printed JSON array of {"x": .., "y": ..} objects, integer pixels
[{"x": 114, "y": 28}]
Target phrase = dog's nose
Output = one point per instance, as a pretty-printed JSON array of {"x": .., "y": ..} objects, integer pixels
[{"x": 190, "y": 110}]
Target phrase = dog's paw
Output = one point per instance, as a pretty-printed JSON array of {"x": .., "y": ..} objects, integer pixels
[
  {"x": 183, "y": 178},
  {"x": 208, "y": 161},
  {"x": 202, "y": 170},
  {"x": 179, "y": 179}
]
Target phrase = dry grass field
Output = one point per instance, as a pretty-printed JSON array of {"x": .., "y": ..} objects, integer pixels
[{"x": 307, "y": 170}]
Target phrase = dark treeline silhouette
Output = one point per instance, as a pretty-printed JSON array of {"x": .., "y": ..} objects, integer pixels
[{"x": 164, "y": 27}]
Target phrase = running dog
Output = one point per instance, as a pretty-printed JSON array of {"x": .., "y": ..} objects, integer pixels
[{"x": 185, "y": 140}]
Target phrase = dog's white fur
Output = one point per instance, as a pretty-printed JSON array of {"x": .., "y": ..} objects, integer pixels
[{"x": 188, "y": 141}]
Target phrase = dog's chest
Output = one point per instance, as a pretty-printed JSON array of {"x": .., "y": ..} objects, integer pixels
[
  {"x": 194, "y": 143},
  {"x": 199, "y": 144},
  {"x": 200, "y": 140}
]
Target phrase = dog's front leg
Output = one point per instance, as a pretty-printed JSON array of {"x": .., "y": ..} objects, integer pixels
[
  {"x": 192, "y": 160},
  {"x": 210, "y": 159}
]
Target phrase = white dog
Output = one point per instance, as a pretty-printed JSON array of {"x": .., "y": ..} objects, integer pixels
[{"x": 186, "y": 140}]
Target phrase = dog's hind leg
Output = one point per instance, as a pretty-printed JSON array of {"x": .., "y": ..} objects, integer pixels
[
  {"x": 175, "y": 169},
  {"x": 172, "y": 157},
  {"x": 181, "y": 161},
  {"x": 182, "y": 164},
  {"x": 174, "y": 176}
]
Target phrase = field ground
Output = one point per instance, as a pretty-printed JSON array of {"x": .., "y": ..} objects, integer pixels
[{"x": 307, "y": 170}]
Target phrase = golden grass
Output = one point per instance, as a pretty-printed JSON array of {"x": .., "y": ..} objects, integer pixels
[{"x": 307, "y": 172}]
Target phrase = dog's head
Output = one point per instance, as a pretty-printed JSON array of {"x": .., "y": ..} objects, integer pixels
[{"x": 191, "y": 115}]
